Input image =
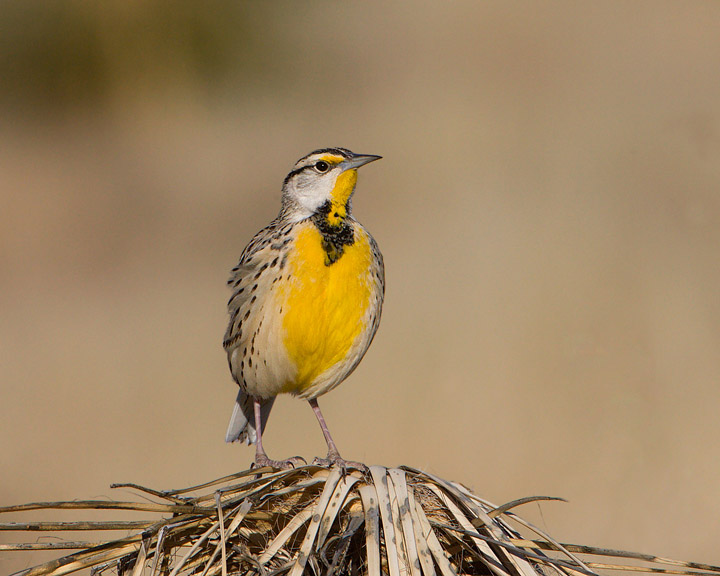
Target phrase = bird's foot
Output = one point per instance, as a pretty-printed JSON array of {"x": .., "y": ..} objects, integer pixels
[
  {"x": 337, "y": 460},
  {"x": 261, "y": 461}
]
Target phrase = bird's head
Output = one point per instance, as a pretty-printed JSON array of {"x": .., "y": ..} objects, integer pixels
[{"x": 323, "y": 182}]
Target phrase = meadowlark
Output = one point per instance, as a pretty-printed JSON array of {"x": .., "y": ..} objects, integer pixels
[{"x": 306, "y": 299}]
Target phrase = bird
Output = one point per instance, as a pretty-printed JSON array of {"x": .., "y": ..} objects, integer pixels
[{"x": 306, "y": 302}]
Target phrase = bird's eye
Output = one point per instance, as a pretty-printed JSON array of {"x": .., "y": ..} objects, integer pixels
[{"x": 321, "y": 166}]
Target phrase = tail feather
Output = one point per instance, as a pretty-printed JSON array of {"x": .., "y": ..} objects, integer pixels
[{"x": 242, "y": 422}]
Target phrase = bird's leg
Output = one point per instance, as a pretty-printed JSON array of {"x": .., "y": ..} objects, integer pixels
[
  {"x": 333, "y": 453},
  {"x": 261, "y": 458},
  {"x": 333, "y": 456}
]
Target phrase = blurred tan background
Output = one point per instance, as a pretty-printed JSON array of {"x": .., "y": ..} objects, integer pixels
[{"x": 548, "y": 207}]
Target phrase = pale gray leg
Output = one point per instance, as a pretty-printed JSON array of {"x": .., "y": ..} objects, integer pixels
[
  {"x": 261, "y": 458},
  {"x": 333, "y": 456}
]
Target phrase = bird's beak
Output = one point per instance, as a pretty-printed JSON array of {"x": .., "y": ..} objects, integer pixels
[{"x": 359, "y": 160}]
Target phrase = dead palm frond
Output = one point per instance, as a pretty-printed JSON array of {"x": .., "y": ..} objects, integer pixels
[{"x": 315, "y": 520}]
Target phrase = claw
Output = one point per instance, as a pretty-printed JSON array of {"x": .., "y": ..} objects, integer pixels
[
  {"x": 262, "y": 460},
  {"x": 336, "y": 460}
]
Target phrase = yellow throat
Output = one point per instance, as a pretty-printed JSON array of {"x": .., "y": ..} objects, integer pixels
[{"x": 339, "y": 197}]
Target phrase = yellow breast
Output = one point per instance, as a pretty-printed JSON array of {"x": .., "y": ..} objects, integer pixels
[{"x": 324, "y": 306}]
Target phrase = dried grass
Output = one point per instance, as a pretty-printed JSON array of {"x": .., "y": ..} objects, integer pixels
[{"x": 314, "y": 520}]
